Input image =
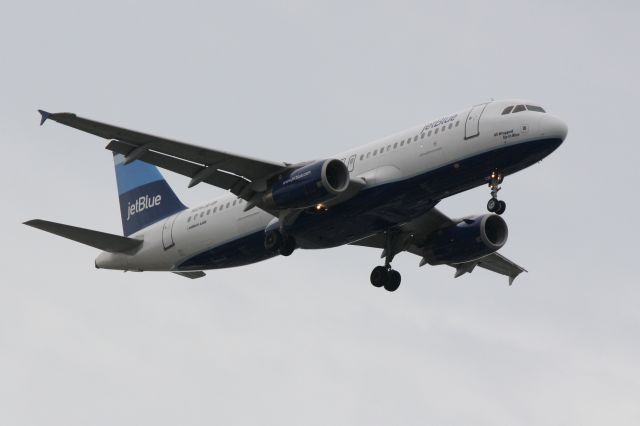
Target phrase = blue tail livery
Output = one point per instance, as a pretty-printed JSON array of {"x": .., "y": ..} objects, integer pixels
[{"x": 145, "y": 197}]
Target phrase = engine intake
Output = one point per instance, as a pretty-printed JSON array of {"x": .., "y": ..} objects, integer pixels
[
  {"x": 309, "y": 185},
  {"x": 469, "y": 240}
]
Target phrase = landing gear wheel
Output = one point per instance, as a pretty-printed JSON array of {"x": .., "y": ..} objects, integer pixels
[
  {"x": 379, "y": 276},
  {"x": 393, "y": 280},
  {"x": 273, "y": 241},
  {"x": 502, "y": 206},
  {"x": 493, "y": 204},
  {"x": 287, "y": 246}
]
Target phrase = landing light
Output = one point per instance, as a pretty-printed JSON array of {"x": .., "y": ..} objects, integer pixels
[{"x": 321, "y": 207}]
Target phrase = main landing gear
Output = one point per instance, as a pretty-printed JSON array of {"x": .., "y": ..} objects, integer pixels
[
  {"x": 275, "y": 242},
  {"x": 385, "y": 276},
  {"x": 494, "y": 205}
]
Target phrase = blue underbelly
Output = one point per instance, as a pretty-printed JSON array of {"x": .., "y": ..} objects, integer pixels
[{"x": 380, "y": 207}]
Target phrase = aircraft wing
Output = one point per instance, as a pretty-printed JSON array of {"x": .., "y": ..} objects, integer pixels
[
  {"x": 412, "y": 237},
  {"x": 244, "y": 176}
]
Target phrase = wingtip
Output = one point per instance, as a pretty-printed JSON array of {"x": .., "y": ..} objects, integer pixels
[{"x": 44, "y": 115}]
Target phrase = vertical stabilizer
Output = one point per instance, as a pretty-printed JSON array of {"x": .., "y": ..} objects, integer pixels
[{"x": 145, "y": 197}]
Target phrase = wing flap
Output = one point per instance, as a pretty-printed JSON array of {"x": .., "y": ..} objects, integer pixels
[
  {"x": 100, "y": 240},
  {"x": 177, "y": 165},
  {"x": 499, "y": 264}
]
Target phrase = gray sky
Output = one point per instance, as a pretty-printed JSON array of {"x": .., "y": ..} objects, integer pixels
[{"x": 307, "y": 339}]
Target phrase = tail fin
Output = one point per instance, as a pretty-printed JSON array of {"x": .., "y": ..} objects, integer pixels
[{"x": 145, "y": 197}]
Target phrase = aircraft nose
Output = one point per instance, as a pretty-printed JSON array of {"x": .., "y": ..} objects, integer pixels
[{"x": 555, "y": 128}]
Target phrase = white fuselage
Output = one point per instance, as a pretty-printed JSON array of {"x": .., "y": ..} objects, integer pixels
[{"x": 413, "y": 152}]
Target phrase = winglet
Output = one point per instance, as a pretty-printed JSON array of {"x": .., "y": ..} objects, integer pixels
[{"x": 44, "y": 116}]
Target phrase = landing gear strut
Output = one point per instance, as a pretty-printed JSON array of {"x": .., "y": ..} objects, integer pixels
[
  {"x": 275, "y": 242},
  {"x": 385, "y": 276},
  {"x": 494, "y": 205}
]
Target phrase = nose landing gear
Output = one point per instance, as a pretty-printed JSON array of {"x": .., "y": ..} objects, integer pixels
[{"x": 494, "y": 205}]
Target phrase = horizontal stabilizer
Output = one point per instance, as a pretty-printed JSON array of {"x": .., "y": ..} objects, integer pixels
[
  {"x": 191, "y": 274},
  {"x": 100, "y": 240}
]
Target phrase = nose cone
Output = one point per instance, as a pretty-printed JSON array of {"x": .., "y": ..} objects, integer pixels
[{"x": 554, "y": 128}]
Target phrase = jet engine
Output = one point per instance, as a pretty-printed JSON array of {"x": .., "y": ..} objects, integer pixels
[
  {"x": 468, "y": 240},
  {"x": 309, "y": 185}
]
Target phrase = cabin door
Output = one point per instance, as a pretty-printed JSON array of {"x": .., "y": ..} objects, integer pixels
[
  {"x": 167, "y": 232},
  {"x": 472, "y": 125}
]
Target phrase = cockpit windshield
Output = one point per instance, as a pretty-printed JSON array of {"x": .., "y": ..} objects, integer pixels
[
  {"x": 535, "y": 108},
  {"x": 518, "y": 108}
]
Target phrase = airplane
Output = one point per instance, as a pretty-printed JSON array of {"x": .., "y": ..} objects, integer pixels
[{"x": 381, "y": 195}]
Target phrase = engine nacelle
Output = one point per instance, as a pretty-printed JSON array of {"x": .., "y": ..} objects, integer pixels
[
  {"x": 309, "y": 185},
  {"x": 468, "y": 240}
]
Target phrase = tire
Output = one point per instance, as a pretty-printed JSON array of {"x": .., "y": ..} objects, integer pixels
[
  {"x": 379, "y": 276},
  {"x": 393, "y": 282},
  {"x": 272, "y": 241},
  {"x": 492, "y": 205},
  {"x": 288, "y": 246},
  {"x": 502, "y": 206}
]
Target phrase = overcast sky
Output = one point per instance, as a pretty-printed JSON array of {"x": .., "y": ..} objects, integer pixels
[{"x": 307, "y": 339}]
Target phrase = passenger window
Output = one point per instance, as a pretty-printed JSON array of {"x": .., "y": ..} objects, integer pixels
[
  {"x": 215, "y": 209},
  {"x": 507, "y": 110},
  {"x": 402, "y": 143},
  {"x": 535, "y": 108},
  {"x": 422, "y": 135},
  {"x": 202, "y": 214},
  {"x": 234, "y": 202},
  {"x": 189, "y": 219},
  {"x": 228, "y": 204},
  {"x": 519, "y": 108},
  {"x": 208, "y": 212},
  {"x": 436, "y": 131},
  {"x": 457, "y": 123},
  {"x": 415, "y": 138},
  {"x": 429, "y": 134},
  {"x": 368, "y": 154},
  {"x": 395, "y": 145},
  {"x": 443, "y": 128},
  {"x": 361, "y": 157},
  {"x": 450, "y": 126},
  {"x": 388, "y": 148},
  {"x": 375, "y": 151}
]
